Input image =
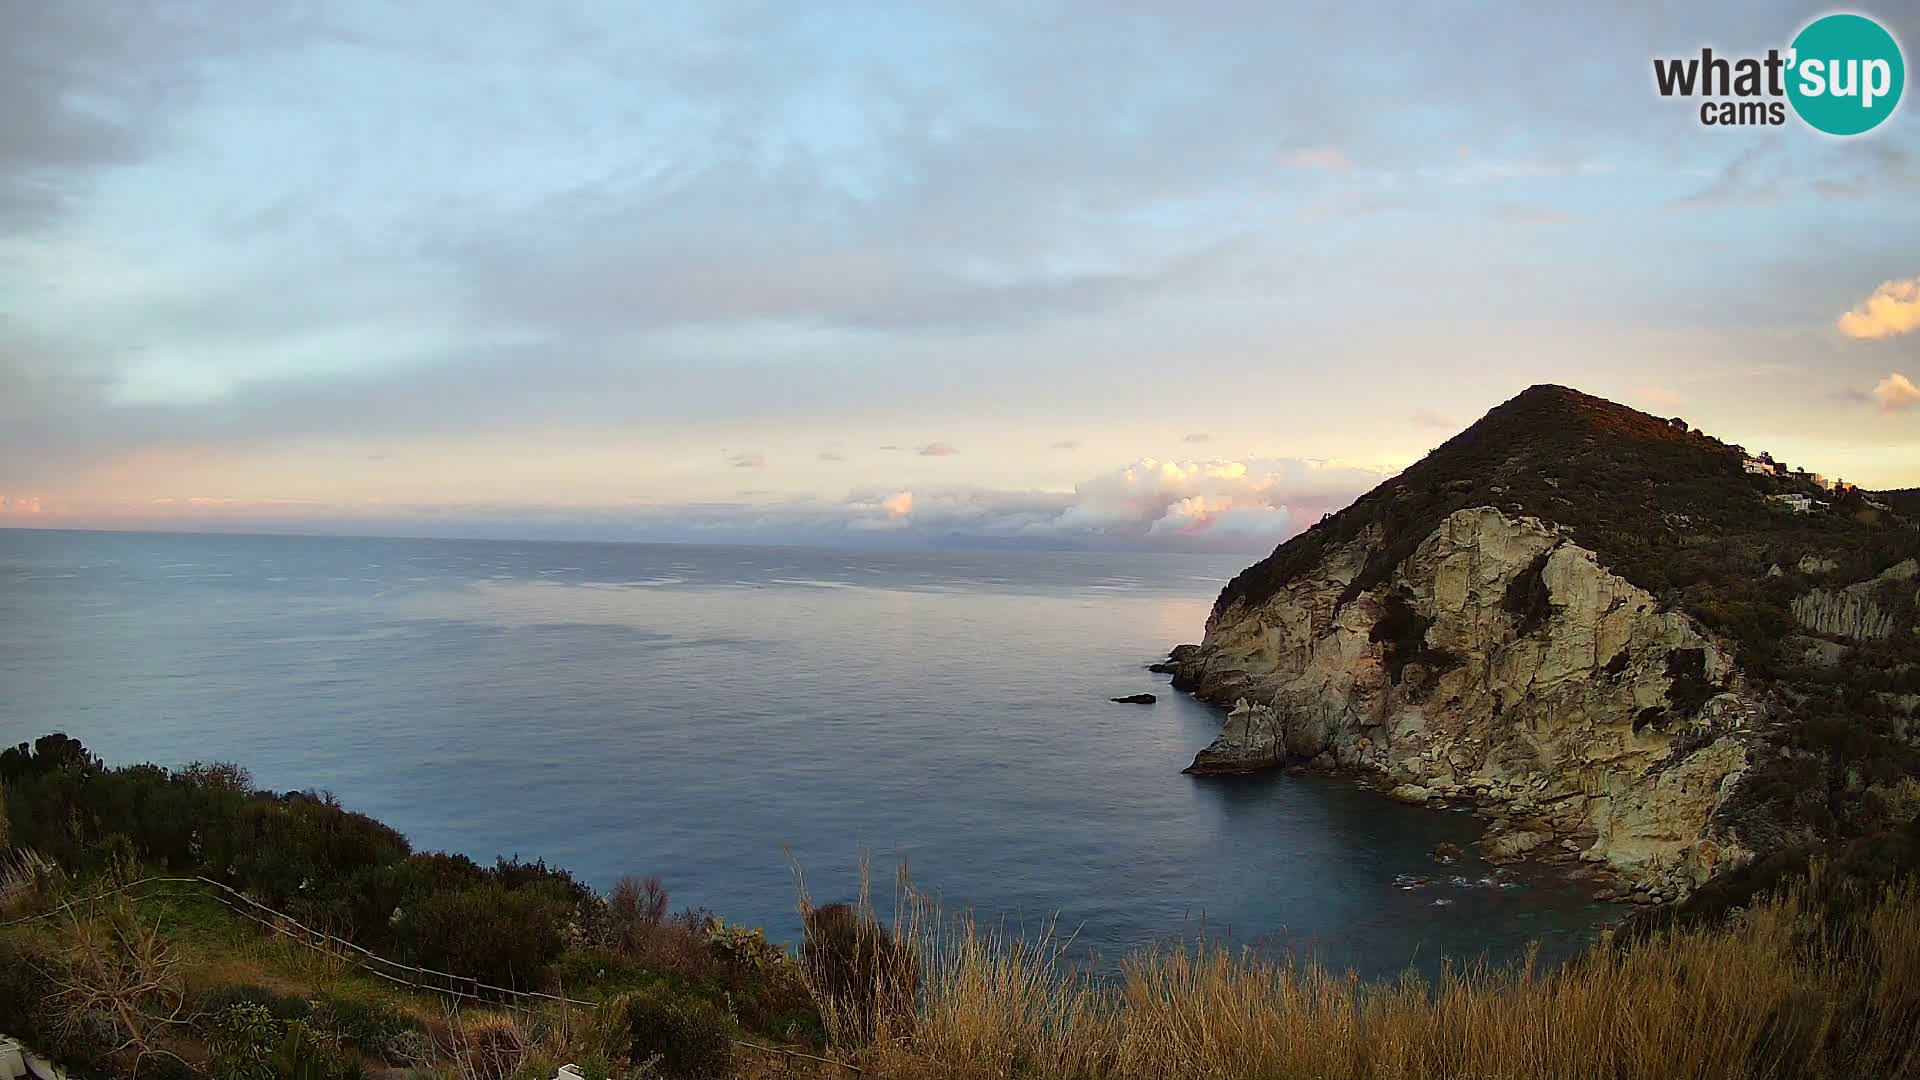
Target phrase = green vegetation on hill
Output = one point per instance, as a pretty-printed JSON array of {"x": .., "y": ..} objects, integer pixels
[
  {"x": 72, "y": 827},
  {"x": 1676, "y": 512},
  {"x": 1664, "y": 506}
]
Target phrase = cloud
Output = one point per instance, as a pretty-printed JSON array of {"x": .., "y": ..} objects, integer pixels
[
  {"x": 1065, "y": 444},
  {"x": 85, "y": 89},
  {"x": 1217, "y": 499},
  {"x": 832, "y": 455},
  {"x": 1427, "y": 418},
  {"x": 1196, "y": 437},
  {"x": 867, "y": 512},
  {"x": 1150, "y": 504},
  {"x": 1896, "y": 393},
  {"x": 1751, "y": 178},
  {"x": 748, "y": 459},
  {"x": 1324, "y": 158},
  {"x": 20, "y": 504},
  {"x": 1892, "y": 310},
  {"x": 1218, "y": 518},
  {"x": 937, "y": 449},
  {"x": 1657, "y": 395},
  {"x": 724, "y": 215}
]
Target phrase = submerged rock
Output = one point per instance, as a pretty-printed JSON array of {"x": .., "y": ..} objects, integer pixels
[{"x": 1136, "y": 699}]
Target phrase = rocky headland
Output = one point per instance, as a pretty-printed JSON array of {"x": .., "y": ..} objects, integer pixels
[{"x": 1607, "y": 631}]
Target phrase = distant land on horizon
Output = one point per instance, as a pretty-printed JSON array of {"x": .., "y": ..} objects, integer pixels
[{"x": 1148, "y": 509}]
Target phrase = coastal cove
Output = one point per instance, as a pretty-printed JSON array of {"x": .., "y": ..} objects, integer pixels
[{"x": 703, "y": 714}]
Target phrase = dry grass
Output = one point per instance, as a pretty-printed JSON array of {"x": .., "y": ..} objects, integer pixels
[
  {"x": 1785, "y": 990},
  {"x": 26, "y": 879},
  {"x": 1779, "y": 993}
]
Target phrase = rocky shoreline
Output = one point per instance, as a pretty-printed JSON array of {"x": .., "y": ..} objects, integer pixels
[
  {"x": 1606, "y": 734},
  {"x": 1508, "y": 840}
]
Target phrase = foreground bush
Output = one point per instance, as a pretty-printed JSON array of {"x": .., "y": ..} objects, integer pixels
[
  {"x": 677, "y": 1035},
  {"x": 862, "y": 977}
]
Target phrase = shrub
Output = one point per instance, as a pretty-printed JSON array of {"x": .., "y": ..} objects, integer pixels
[
  {"x": 538, "y": 877},
  {"x": 216, "y": 1001},
  {"x": 24, "y": 989},
  {"x": 242, "y": 1038},
  {"x": 373, "y": 1027},
  {"x": 247, "y": 1043},
  {"x": 490, "y": 1048},
  {"x": 764, "y": 983},
  {"x": 218, "y": 775},
  {"x": 490, "y": 933},
  {"x": 685, "y": 1036},
  {"x": 635, "y": 909},
  {"x": 854, "y": 965}
]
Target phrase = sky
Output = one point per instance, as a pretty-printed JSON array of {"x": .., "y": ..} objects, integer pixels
[{"x": 1087, "y": 274}]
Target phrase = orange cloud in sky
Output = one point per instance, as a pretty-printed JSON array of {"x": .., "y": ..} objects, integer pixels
[
  {"x": 1896, "y": 392},
  {"x": 1892, "y": 310},
  {"x": 20, "y": 504}
]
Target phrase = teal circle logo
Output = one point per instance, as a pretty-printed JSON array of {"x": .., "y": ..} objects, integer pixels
[{"x": 1846, "y": 74}]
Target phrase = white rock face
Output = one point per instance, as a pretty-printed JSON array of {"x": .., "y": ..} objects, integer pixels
[
  {"x": 1602, "y": 724},
  {"x": 1854, "y": 611}
]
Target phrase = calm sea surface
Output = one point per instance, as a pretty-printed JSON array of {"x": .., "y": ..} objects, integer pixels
[{"x": 704, "y": 713}]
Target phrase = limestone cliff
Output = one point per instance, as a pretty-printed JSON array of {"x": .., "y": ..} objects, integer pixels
[
  {"x": 1442, "y": 637},
  {"x": 1587, "y": 724},
  {"x": 1857, "y": 610}
]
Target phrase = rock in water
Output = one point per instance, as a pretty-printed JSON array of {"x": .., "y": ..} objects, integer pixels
[
  {"x": 1447, "y": 854},
  {"x": 1136, "y": 699},
  {"x": 1249, "y": 741},
  {"x": 1534, "y": 617}
]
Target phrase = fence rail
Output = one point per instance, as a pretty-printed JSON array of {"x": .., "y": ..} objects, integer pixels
[{"x": 279, "y": 922}]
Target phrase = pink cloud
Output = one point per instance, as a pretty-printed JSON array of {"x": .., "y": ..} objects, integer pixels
[
  {"x": 1892, "y": 310},
  {"x": 1896, "y": 393}
]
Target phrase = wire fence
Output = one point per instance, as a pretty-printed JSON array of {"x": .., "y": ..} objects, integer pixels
[{"x": 459, "y": 987}]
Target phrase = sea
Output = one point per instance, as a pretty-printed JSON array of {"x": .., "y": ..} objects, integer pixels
[{"x": 730, "y": 719}]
